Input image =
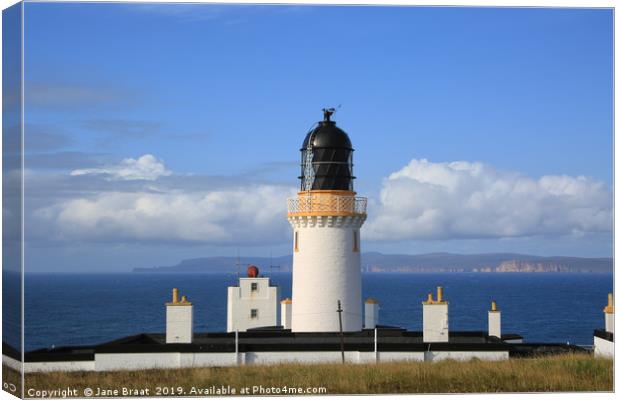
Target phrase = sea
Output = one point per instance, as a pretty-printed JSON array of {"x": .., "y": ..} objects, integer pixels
[{"x": 86, "y": 309}]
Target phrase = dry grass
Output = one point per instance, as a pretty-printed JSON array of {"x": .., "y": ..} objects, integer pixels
[{"x": 564, "y": 373}]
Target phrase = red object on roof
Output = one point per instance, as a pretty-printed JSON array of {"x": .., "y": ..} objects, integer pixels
[{"x": 252, "y": 271}]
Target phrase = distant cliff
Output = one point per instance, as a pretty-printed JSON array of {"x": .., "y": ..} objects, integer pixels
[
  {"x": 433, "y": 262},
  {"x": 527, "y": 266}
]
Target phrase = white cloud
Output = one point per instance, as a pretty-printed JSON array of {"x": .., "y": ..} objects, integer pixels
[
  {"x": 426, "y": 200},
  {"x": 423, "y": 200},
  {"x": 241, "y": 216},
  {"x": 146, "y": 167}
]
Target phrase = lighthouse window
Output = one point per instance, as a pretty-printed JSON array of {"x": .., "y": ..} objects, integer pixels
[
  {"x": 254, "y": 313},
  {"x": 356, "y": 245},
  {"x": 296, "y": 241},
  {"x": 254, "y": 286}
]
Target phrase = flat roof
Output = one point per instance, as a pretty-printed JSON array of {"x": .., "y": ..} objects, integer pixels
[
  {"x": 603, "y": 334},
  {"x": 276, "y": 339}
]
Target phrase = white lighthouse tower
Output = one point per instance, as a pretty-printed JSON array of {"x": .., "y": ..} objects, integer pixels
[{"x": 326, "y": 217}]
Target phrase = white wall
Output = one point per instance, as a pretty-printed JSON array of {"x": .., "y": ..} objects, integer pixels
[
  {"x": 241, "y": 300},
  {"x": 367, "y": 357},
  {"x": 131, "y": 361},
  {"x": 466, "y": 355},
  {"x": 435, "y": 322},
  {"x": 12, "y": 363},
  {"x": 140, "y": 361},
  {"x": 371, "y": 315},
  {"x": 59, "y": 366},
  {"x": 48, "y": 366},
  {"x": 303, "y": 357},
  {"x": 286, "y": 315},
  {"x": 231, "y": 302},
  {"x": 609, "y": 322},
  {"x": 603, "y": 348},
  {"x": 326, "y": 269},
  {"x": 495, "y": 324},
  {"x": 179, "y": 323},
  {"x": 190, "y": 360},
  {"x": 397, "y": 356}
]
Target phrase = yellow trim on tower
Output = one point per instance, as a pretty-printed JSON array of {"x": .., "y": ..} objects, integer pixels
[
  {"x": 286, "y": 301},
  {"x": 326, "y": 203},
  {"x": 371, "y": 300}
]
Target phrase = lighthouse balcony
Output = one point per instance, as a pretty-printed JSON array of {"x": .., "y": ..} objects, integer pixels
[{"x": 326, "y": 204}]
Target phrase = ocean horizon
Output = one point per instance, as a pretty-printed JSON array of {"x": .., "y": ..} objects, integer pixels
[{"x": 92, "y": 308}]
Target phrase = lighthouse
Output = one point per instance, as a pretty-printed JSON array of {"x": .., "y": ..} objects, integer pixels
[{"x": 326, "y": 217}]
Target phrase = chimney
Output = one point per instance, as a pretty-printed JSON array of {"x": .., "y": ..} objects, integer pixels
[
  {"x": 435, "y": 318},
  {"x": 371, "y": 313},
  {"x": 286, "y": 312},
  {"x": 495, "y": 321},
  {"x": 609, "y": 313},
  {"x": 179, "y": 319}
]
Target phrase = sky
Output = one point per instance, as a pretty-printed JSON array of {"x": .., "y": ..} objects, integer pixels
[{"x": 161, "y": 132}]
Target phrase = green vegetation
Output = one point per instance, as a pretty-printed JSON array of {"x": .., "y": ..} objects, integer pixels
[{"x": 566, "y": 373}]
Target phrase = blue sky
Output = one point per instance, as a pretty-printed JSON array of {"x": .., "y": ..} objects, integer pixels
[{"x": 219, "y": 99}]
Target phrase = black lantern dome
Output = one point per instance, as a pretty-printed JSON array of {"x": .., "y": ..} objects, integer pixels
[{"x": 327, "y": 157}]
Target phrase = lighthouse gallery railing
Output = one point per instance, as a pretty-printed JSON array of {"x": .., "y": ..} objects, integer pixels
[{"x": 326, "y": 204}]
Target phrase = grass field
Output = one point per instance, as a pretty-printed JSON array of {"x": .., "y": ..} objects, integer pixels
[{"x": 564, "y": 373}]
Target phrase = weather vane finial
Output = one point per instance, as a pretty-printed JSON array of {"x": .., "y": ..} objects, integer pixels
[{"x": 327, "y": 113}]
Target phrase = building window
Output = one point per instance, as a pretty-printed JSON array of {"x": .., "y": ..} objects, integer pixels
[
  {"x": 254, "y": 286},
  {"x": 356, "y": 241},
  {"x": 296, "y": 241},
  {"x": 254, "y": 313}
]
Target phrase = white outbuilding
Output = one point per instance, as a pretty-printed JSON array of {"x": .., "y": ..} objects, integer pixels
[
  {"x": 179, "y": 319},
  {"x": 253, "y": 303},
  {"x": 435, "y": 318},
  {"x": 495, "y": 321},
  {"x": 604, "y": 339},
  {"x": 371, "y": 313}
]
